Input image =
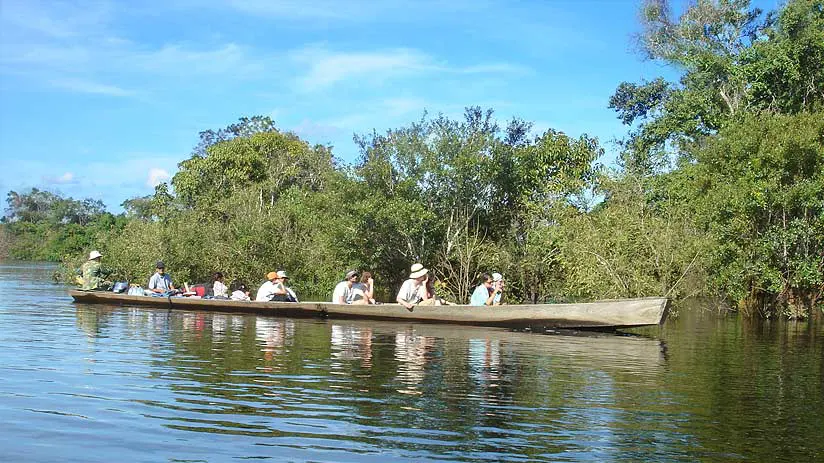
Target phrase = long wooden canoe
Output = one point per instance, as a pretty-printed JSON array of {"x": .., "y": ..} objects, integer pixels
[{"x": 618, "y": 313}]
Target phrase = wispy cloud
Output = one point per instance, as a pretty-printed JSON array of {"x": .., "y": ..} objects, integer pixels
[
  {"x": 82, "y": 86},
  {"x": 326, "y": 68},
  {"x": 67, "y": 178}
]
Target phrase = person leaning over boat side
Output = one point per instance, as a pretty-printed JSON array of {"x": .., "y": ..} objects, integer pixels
[
  {"x": 290, "y": 295},
  {"x": 219, "y": 290},
  {"x": 239, "y": 292},
  {"x": 93, "y": 273},
  {"x": 160, "y": 282},
  {"x": 413, "y": 290},
  {"x": 343, "y": 290},
  {"x": 272, "y": 290},
  {"x": 485, "y": 292}
]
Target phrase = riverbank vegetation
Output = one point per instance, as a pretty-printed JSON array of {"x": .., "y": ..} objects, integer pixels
[{"x": 718, "y": 189}]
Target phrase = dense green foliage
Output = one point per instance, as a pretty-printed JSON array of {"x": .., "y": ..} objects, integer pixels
[
  {"x": 40, "y": 225},
  {"x": 719, "y": 188}
]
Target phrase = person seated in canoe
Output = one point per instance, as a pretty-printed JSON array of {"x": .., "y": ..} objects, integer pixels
[
  {"x": 273, "y": 290},
  {"x": 413, "y": 290},
  {"x": 161, "y": 282},
  {"x": 290, "y": 294},
  {"x": 93, "y": 275},
  {"x": 219, "y": 289},
  {"x": 343, "y": 293},
  {"x": 485, "y": 292},
  {"x": 429, "y": 291},
  {"x": 362, "y": 290},
  {"x": 498, "y": 283},
  {"x": 239, "y": 292}
]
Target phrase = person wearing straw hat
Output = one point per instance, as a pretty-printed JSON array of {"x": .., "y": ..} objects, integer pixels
[
  {"x": 290, "y": 294},
  {"x": 410, "y": 293},
  {"x": 498, "y": 283},
  {"x": 93, "y": 273}
]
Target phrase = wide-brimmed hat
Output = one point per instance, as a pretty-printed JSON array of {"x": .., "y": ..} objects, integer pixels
[
  {"x": 351, "y": 274},
  {"x": 271, "y": 275},
  {"x": 94, "y": 255},
  {"x": 282, "y": 274},
  {"x": 417, "y": 271},
  {"x": 160, "y": 264},
  {"x": 497, "y": 277}
]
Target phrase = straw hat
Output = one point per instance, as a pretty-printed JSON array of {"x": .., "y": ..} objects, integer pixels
[
  {"x": 94, "y": 255},
  {"x": 282, "y": 274},
  {"x": 351, "y": 274},
  {"x": 497, "y": 277},
  {"x": 417, "y": 271}
]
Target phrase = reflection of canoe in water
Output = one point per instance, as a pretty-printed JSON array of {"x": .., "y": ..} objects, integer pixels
[{"x": 602, "y": 314}]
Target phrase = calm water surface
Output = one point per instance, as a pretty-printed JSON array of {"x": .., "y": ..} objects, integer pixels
[{"x": 102, "y": 384}]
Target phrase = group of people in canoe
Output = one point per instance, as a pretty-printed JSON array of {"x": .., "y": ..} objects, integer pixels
[{"x": 355, "y": 288}]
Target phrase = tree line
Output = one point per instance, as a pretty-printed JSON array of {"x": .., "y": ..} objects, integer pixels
[{"x": 718, "y": 190}]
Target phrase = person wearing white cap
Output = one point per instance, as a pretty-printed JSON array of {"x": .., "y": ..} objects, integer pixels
[
  {"x": 498, "y": 283},
  {"x": 93, "y": 273},
  {"x": 410, "y": 293},
  {"x": 290, "y": 295}
]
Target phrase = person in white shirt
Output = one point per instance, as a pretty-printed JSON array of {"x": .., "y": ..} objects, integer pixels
[
  {"x": 413, "y": 289},
  {"x": 219, "y": 289},
  {"x": 290, "y": 295},
  {"x": 343, "y": 293},
  {"x": 272, "y": 290},
  {"x": 240, "y": 292}
]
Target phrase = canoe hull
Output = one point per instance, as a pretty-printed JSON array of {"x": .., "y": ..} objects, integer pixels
[{"x": 619, "y": 313}]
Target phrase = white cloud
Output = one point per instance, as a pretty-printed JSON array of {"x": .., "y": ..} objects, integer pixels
[
  {"x": 82, "y": 86},
  {"x": 67, "y": 178},
  {"x": 157, "y": 176},
  {"x": 327, "y": 68}
]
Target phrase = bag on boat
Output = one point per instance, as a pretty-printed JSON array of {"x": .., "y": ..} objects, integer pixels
[
  {"x": 135, "y": 290},
  {"x": 120, "y": 286}
]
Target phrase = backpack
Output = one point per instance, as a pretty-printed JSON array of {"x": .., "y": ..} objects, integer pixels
[{"x": 120, "y": 286}]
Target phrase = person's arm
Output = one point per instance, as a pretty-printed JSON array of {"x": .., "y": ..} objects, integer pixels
[
  {"x": 400, "y": 298},
  {"x": 280, "y": 289},
  {"x": 369, "y": 290},
  {"x": 491, "y": 297}
]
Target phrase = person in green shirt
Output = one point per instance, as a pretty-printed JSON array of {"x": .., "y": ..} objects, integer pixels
[{"x": 93, "y": 274}]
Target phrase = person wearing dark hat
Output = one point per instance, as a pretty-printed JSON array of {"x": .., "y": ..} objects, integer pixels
[
  {"x": 343, "y": 290},
  {"x": 160, "y": 282}
]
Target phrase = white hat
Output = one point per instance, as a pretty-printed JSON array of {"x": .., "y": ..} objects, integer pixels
[
  {"x": 282, "y": 274},
  {"x": 94, "y": 255},
  {"x": 497, "y": 276},
  {"x": 417, "y": 271}
]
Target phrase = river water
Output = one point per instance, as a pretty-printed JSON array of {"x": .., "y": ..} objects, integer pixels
[{"x": 103, "y": 383}]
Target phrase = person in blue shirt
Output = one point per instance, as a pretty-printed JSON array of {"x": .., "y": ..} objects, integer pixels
[
  {"x": 161, "y": 282},
  {"x": 485, "y": 292}
]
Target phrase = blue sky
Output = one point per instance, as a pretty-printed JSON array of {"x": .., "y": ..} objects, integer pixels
[{"x": 102, "y": 99}]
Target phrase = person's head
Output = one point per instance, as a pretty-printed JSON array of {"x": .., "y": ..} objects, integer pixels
[
  {"x": 95, "y": 255},
  {"x": 238, "y": 286},
  {"x": 418, "y": 272},
  {"x": 366, "y": 276},
  {"x": 282, "y": 276},
  {"x": 272, "y": 276},
  {"x": 218, "y": 276},
  {"x": 497, "y": 279},
  {"x": 160, "y": 267},
  {"x": 352, "y": 277},
  {"x": 486, "y": 280}
]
